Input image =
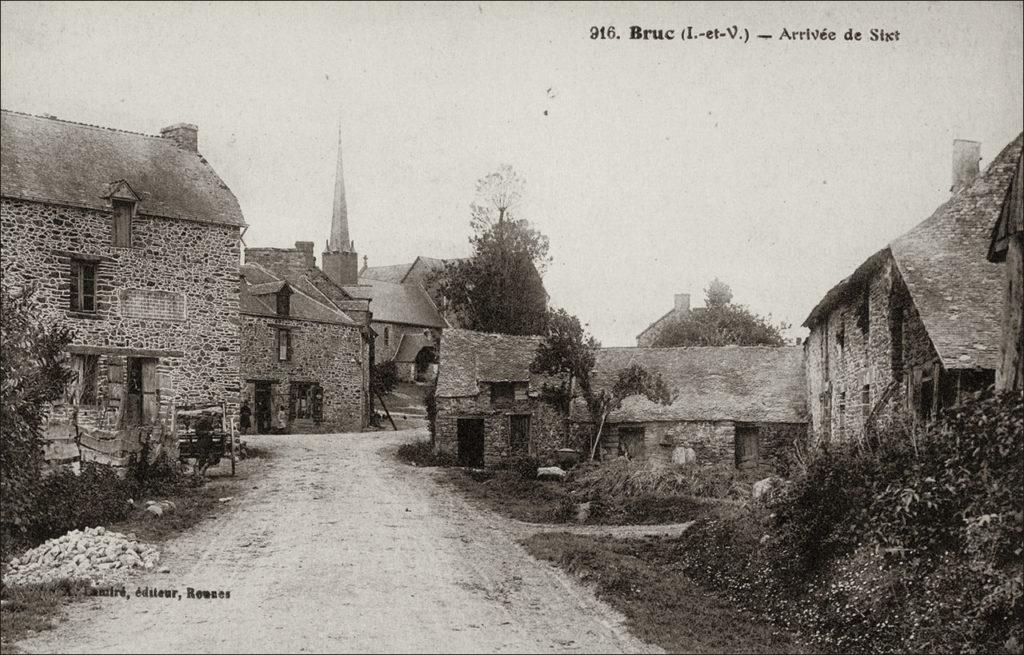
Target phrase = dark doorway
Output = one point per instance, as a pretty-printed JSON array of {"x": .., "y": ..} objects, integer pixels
[
  {"x": 263, "y": 399},
  {"x": 632, "y": 443},
  {"x": 142, "y": 404},
  {"x": 746, "y": 447},
  {"x": 471, "y": 442},
  {"x": 426, "y": 364},
  {"x": 519, "y": 435}
]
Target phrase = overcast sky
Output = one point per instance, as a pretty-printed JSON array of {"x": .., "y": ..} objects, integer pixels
[{"x": 653, "y": 166}]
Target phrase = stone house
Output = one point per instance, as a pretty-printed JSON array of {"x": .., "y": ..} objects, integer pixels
[
  {"x": 1007, "y": 245},
  {"x": 489, "y": 406},
  {"x": 743, "y": 405},
  {"x": 651, "y": 333},
  {"x": 916, "y": 327},
  {"x": 302, "y": 353},
  {"x": 132, "y": 241}
]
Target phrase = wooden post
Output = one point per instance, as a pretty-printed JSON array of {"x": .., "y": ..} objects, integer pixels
[{"x": 395, "y": 427}]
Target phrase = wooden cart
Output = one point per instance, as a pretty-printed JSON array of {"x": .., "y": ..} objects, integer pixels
[{"x": 223, "y": 435}]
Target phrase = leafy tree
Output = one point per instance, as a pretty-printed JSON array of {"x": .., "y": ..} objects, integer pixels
[
  {"x": 569, "y": 353},
  {"x": 33, "y": 375},
  {"x": 383, "y": 378},
  {"x": 721, "y": 323},
  {"x": 498, "y": 289},
  {"x": 717, "y": 294}
]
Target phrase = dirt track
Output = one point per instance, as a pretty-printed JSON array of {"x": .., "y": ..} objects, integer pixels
[{"x": 341, "y": 548}]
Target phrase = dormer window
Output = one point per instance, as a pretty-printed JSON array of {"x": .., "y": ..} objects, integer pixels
[
  {"x": 284, "y": 302},
  {"x": 124, "y": 211}
]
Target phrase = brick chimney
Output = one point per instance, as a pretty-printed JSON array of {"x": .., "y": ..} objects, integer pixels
[
  {"x": 186, "y": 135},
  {"x": 966, "y": 155},
  {"x": 682, "y": 302}
]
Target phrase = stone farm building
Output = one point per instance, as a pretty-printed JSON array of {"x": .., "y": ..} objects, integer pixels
[
  {"x": 681, "y": 309},
  {"x": 301, "y": 352},
  {"x": 132, "y": 241},
  {"x": 489, "y": 408},
  {"x": 1007, "y": 245},
  {"x": 917, "y": 326},
  {"x": 742, "y": 405}
]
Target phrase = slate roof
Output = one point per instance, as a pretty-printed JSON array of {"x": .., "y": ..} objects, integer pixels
[
  {"x": 469, "y": 357},
  {"x": 710, "y": 383},
  {"x": 410, "y": 346},
  {"x": 393, "y": 273},
  {"x": 61, "y": 162},
  {"x": 1011, "y": 217},
  {"x": 407, "y": 304},
  {"x": 942, "y": 260},
  {"x": 257, "y": 296}
]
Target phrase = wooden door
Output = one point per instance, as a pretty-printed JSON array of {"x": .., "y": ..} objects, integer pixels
[
  {"x": 746, "y": 447},
  {"x": 471, "y": 441},
  {"x": 519, "y": 435},
  {"x": 263, "y": 406}
]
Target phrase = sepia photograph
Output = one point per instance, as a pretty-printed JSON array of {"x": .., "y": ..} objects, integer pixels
[{"x": 511, "y": 327}]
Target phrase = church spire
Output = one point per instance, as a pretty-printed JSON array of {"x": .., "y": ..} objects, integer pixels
[{"x": 339, "y": 241}]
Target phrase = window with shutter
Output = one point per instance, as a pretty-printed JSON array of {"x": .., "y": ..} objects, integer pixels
[
  {"x": 284, "y": 345},
  {"x": 122, "y": 223}
]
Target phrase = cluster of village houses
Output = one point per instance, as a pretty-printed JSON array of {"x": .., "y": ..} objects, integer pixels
[{"x": 135, "y": 242}]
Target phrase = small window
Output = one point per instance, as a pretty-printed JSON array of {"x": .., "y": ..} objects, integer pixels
[
  {"x": 86, "y": 368},
  {"x": 122, "y": 223},
  {"x": 83, "y": 286},
  {"x": 387, "y": 336},
  {"x": 284, "y": 302},
  {"x": 284, "y": 345},
  {"x": 502, "y": 393},
  {"x": 841, "y": 331}
]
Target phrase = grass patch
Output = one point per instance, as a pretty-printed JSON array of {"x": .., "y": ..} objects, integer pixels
[
  {"x": 34, "y": 608},
  {"x": 661, "y": 603},
  {"x": 508, "y": 494},
  {"x": 421, "y": 453}
]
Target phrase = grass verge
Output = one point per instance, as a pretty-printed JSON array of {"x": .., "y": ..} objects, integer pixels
[{"x": 661, "y": 603}]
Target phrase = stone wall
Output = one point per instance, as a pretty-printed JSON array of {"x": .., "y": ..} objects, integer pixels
[
  {"x": 329, "y": 354},
  {"x": 172, "y": 297},
  {"x": 842, "y": 357},
  {"x": 547, "y": 426}
]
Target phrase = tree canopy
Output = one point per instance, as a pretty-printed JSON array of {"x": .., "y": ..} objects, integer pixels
[
  {"x": 499, "y": 288},
  {"x": 720, "y": 323}
]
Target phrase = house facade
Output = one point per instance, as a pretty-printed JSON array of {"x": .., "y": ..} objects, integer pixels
[
  {"x": 1007, "y": 247},
  {"x": 740, "y": 405},
  {"x": 489, "y": 405},
  {"x": 132, "y": 241},
  {"x": 300, "y": 354},
  {"x": 916, "y": 327},
  {"x": 681, "y": 309}
]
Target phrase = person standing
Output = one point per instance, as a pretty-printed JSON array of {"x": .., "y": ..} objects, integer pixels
[
  {"x": 244, "y": 416},
  {"x": 282, "y": 420}
]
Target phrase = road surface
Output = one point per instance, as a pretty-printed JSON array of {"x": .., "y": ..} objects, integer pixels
[{"x": 339, "y": 547}]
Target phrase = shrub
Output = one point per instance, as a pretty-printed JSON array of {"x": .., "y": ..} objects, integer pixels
[
  {"x": 31, "y": 375},
  {"x": 66, "y": 501},
  {"x": 421, "y": 453},
  {"x": 525, "y": 467},
  {"x": 622, "y": 477}
]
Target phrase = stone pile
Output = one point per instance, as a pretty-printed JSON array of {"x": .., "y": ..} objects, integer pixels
[{"x": 93, "y": 555}]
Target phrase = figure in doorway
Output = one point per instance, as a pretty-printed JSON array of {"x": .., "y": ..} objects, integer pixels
[
  {"x": 244, "y": 416},
  {"x": 282, "y": 421}
]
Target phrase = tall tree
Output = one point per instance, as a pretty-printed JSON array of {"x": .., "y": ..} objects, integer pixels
[
  {"x": 721, "y": 323},
  {"x": 499, "y": 288}
]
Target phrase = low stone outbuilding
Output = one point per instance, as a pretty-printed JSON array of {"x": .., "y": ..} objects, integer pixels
[
  {"x": 489, "y": 405},
  {"x": 742, "y": 405},
  {"x": 300, "y": 353}
]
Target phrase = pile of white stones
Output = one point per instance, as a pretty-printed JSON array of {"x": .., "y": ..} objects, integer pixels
[{"x": 93, "y": 555}]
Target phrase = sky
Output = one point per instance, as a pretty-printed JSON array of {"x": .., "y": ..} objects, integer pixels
[{"x": 653, "y": 166}]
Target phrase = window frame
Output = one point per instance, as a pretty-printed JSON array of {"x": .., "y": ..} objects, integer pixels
[
  {"x": 78, "y": 288},
  {"x": 286, "y": 345},
  {"x": 499, "y": 399}
]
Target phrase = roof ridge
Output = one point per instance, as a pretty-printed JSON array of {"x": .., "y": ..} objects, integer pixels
[{"x": 90, "y": 125}]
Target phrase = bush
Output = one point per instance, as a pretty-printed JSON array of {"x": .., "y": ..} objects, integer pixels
[
  {"x": 525, "y": 467},
  {"x": 421, "y": 453},
  {"x": 32, "y": 374},
  {"x": 66, "y": 501}
]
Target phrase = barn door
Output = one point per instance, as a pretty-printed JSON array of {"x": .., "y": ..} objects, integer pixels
[{"x": 746, "y": 447}]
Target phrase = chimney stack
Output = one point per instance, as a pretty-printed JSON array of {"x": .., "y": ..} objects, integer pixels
[
  {"x": 305, "y": 248},
  {"x": 682, "y": 302},
  {"x": 186, "y": 135},
  {"x": 966, "y": 155}
]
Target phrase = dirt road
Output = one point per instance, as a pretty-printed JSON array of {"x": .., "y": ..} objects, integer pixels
[{"x": 341, "y": 548}]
